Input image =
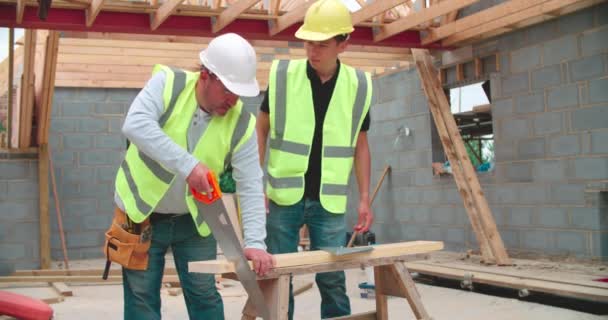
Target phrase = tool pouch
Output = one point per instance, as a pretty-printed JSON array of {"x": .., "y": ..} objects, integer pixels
[{"x": 127, "y": 243}]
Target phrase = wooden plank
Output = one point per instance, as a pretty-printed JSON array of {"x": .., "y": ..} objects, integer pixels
[
  {"x": 478, "y": 19},
  {"x": 26, "y": 100},
  {"x": 289, "y": 18},
  {"x": 161, "y": 14},
  {"x": 381, "y": 298},
  {"x": 11, "y": 64},
  {"x": 524, "y": 272},
  {"x": 409, "y": 289},
  {"x": 311, "y": 258},
  {"x": 276, "y": 295},
  {"x": 231, "y": 13},
  {"x": 20, "y": 11},
  {"x": 44, "y": 220},
  {"x": 387, "y": 282},
  {"x": 62, "y": 289},
  {"x": 76, "y": 272},
  {"x": 46, "y": 100},
  {"x": 448, "y": 147},
  {"x": 507, "y": 19},
  {"x": 73, "y": 279},
  {"x": 92, "y": 11},
  {"x": 370, "y": 315},
  {"x": 459, "y": 72},
  {"x": 274, "y": 7},
  {"x": 419, "y": 17},
  {"x": 438, "y": 99},
  {"x": 370, "y": 10},
  {"x": 478, "y": 68},
  {"x": 560, "y": 289}
]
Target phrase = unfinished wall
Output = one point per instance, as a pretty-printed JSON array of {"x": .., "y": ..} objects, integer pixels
[
  {"x": 87, "y": 147},
  {"x": 19, "y": 247},
  {"x": 550, "y": 118}
]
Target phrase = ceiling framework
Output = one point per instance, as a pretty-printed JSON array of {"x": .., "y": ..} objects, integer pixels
[{"x": 431, "y": 24}]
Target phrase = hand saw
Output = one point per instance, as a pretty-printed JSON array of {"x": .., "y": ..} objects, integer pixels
[{"x": 211, "y": 207}]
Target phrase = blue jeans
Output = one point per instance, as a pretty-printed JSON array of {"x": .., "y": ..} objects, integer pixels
[
  {"x": 326, "y": 230},
  {"x": 142, "y": 288}
]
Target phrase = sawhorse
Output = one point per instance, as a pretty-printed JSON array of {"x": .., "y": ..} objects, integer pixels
[{"x": 390, "y": 274}]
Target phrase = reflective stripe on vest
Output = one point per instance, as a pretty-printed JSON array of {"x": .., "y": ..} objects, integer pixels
[{"x": 279, "y": 114}]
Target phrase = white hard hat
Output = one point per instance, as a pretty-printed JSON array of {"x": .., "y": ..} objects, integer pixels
[{"x": 232, "y": 59}]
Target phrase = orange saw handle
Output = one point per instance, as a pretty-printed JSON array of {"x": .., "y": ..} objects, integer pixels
[{"x": 216, "y": 193}]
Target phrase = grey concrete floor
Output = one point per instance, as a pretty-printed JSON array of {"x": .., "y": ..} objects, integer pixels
[{"x": 104, "y": 302}]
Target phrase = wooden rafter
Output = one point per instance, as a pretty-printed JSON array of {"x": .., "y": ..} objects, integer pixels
[
  {"x": 20, "y": 10},
  {"x": 161, "y": 14},
  {"x": 92, "y": 11},
  {"x": 373, "y": 9},
  {"x": 274, "y": 7},
  {"x": 289, "y": 18},
  {"x": 478, "y": 19},
  {"x": 231, "y": 13},
  {"x": 507, "y": 19},
  {"x": 416, "y": 18}
]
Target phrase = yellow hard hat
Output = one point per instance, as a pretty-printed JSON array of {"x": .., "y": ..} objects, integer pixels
[{"x": 324, "y": 20}]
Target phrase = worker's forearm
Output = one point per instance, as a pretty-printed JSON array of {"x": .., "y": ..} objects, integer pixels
[
  {"x": 363, "y": 166},
  {"x": 262, "y": 127}
]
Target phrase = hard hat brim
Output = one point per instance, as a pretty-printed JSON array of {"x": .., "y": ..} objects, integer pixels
[
  {"x": 315, "y": 36},
  {"x": 242, "y": 89}
]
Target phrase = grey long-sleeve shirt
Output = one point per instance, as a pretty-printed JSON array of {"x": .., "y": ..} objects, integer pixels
[{"x": 142, "y": 129}]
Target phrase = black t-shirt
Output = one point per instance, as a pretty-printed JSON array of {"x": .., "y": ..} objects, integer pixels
[{"x": 321, "y": 94}]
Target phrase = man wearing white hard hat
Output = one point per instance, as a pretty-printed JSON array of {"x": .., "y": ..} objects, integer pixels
[
  {"x": 316, "y": 113},
  {"x": 181, "y": 126}
]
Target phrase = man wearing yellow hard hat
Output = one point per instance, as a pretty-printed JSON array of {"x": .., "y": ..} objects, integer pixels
[{"x": 317, "y": 113}]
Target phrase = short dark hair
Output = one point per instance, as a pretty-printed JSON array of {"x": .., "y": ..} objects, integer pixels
[{"x": 341, "y": 37}]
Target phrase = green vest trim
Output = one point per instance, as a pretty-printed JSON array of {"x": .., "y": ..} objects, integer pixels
[{"x": 292, "y": 128}]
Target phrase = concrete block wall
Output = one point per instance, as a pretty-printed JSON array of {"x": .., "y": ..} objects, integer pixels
[
  {"x": 550, "y": 117},
  {"x": 19, "y": 245},
  {"x": 87, "y": 148}
]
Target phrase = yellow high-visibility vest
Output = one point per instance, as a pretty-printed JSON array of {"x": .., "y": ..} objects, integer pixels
[
  {"x": 292, "y": 123},
  {"x": 141, "y": 182}
]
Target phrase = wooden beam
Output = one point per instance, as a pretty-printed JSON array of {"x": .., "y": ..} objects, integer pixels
[
  {"x": 372, "y": 9},
  {"x": 381, "y": 297},
  {"x": 507, "y": 19},
  {"x": 161, "y": 14},
  {"x": 408, "y": 287},
  {"x": 478, "y": 68},
  {"x": 274, "y": 7},
  {"x": 20, "y": 11},
  {"x": 44, "y": 220},
  {"x": 420, "y": 17},
  {"x": 513, "y": 281},
  {"x": 92, "y": 11},
  {"x": 11, "y": 63},
  {"x": 482, "y": 221},
  {"x": 289, "y": 18},
  {"x": 449, "y": 149},
  {"x": 73, "y": 279},
  {"x": 478, "y": 19},
  {"x": 48, "y": 86},
  {"x": 309, "y": 259},
  {"x": 26, "y": 101},
  {"x": 231, "y": 13}
]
